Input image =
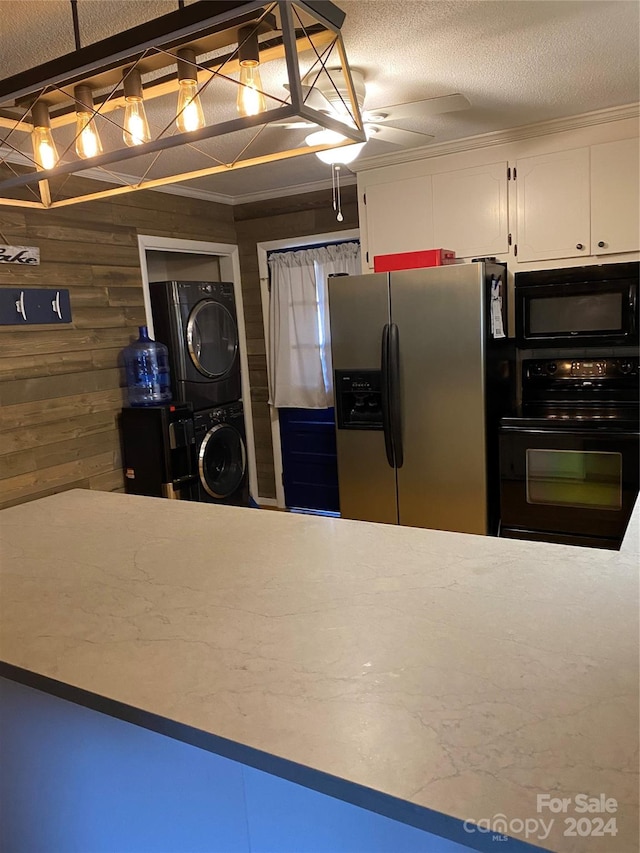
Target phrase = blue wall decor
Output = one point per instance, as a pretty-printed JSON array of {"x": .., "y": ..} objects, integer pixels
[{"x": 20, "y": 306}]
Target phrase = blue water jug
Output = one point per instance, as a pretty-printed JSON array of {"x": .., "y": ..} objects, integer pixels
[{"x": 147, "y": 365}]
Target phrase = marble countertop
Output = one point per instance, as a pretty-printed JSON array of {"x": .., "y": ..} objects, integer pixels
[{"x": 463, "y": 674}]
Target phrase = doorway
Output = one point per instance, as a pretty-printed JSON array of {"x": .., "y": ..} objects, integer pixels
[
  {"x": 303, "y": 436},
  {"x": 165, "y": 258}
]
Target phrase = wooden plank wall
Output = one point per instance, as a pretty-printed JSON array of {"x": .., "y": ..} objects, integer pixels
[
  {"x": 61, "y": 387},
  {"x": 258, "y": 222}
]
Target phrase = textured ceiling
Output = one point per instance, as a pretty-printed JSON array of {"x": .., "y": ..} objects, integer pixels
[{"x": 517, "y": 61}]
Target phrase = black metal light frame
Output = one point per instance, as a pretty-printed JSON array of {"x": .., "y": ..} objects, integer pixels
[{"x": 151, "y": 47}]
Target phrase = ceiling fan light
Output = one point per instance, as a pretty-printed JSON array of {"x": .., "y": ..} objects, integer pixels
[
  {"x": 324, "y": 137},
  {"x": 345, "y": 154}
]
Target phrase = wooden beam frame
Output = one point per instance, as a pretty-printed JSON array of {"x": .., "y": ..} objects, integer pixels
[{"x": 155, "y": 183}]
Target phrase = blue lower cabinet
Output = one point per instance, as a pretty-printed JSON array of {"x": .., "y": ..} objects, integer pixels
[
  {"x": 309, "y": 459},
  {"x": 75, "y": 780},
  {"x": 283, "y": 817}
]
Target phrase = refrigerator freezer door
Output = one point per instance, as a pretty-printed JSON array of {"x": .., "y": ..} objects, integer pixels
[
  {"x": 359, "y": 310},
  {"x": 441, "y": 321}
]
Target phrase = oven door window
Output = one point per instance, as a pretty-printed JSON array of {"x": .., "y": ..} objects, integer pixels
[{"x": 577, "y": 478}]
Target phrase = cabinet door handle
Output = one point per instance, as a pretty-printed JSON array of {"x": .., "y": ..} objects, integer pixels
[
  {"x": 579, "y": 246},
  {"x": 601, "y": 244}
]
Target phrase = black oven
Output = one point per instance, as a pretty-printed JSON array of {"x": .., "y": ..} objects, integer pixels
[
  {"x": 569, "y": 459},
  {"x": 578, "y": 305}
]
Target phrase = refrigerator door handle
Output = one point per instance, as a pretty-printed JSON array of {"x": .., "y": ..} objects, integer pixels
[
  {"x": 384, "y": 383},
  {"x": 394, "y": 394}
]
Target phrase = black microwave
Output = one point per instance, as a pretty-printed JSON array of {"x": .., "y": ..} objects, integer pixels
[{"x": 578, "y": 305}]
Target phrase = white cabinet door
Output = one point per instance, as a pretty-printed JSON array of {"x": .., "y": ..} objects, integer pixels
[
  {"x": 553, "y": 206},
  {"x": 470, "y": 210},
  {"x": 399, "y": 217},
  {"x": 615, "y": 179}
]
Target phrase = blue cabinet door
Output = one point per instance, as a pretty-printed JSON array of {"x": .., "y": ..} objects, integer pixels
[{"x": 309, "y": 460}]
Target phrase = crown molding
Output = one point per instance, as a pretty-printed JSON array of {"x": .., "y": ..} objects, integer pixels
[
  {"x": 169, "y": 189},
  {"x": 499, "y": 137},
  {"x": 192, "y": 192},
  {"x": 297, "y": 189},
  {"x": 221, "y": 198},
  {"x": 119, "y": 178}
]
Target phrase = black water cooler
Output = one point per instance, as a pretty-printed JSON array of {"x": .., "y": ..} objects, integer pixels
[{"x": 159, "y": 451}]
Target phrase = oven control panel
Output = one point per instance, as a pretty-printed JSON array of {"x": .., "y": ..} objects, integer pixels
[{"x": 555, "y": 370}]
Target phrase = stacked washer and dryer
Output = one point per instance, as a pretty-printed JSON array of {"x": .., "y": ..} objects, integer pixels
[{"x": 198, "y": 323}]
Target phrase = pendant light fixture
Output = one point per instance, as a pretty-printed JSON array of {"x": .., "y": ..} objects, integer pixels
[
  {"x": 87, "y": 139},
  {"x": 174, "y": 56},
  {"x": 44, "y": 149},
  {"x": 250, "y": 99},
  {"x": 189, "y": 113},
  {"x": 136, "y": 126}
]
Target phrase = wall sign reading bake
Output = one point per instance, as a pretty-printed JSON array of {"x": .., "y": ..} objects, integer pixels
[
  {"x": 20, "y": 306},
  {"x": 29, "y": 255}
]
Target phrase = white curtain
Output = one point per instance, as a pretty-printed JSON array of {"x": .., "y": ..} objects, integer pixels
[{"x": 300, "y": 374}]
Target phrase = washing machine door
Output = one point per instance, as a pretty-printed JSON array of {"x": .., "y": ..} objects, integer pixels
[
  {"x": 212, "y": 338},
  {"x": 222, "y": 461}
]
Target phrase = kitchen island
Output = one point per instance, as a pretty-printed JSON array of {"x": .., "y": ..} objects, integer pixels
[{"x": 441, "y": 680}]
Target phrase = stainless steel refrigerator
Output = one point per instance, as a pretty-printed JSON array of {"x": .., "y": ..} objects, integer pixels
[{"x": 422, "y": 374}]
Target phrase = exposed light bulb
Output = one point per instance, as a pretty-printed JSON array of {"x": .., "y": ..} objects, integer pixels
[
  {"x": 44, "y": 149},
  {"x": 87, "y": 139},
  {"x": 135, "y": 125},
  {"x": 250, "y": 101},
  {"x": 189, "y": 115}
]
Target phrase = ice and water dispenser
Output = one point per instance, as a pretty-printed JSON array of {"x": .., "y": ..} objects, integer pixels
[{"x": 358, "y": 399}]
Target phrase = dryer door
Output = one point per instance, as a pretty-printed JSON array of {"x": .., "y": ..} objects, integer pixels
[
  {"x": 212, "y": 339},
  {"x": 222, "y": 461}
]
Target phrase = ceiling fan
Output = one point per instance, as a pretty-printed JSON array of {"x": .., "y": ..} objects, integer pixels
[{"x": 331, "y": 97}]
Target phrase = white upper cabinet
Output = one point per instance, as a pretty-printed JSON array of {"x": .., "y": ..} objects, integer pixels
[
  {"x": 553, "y": 218},
  {"x": 399, "y": 217},
  {"x": 615, "y": 179},
  {"x": 470, "y": 210},
  {"x": 559, "y": 204}
]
